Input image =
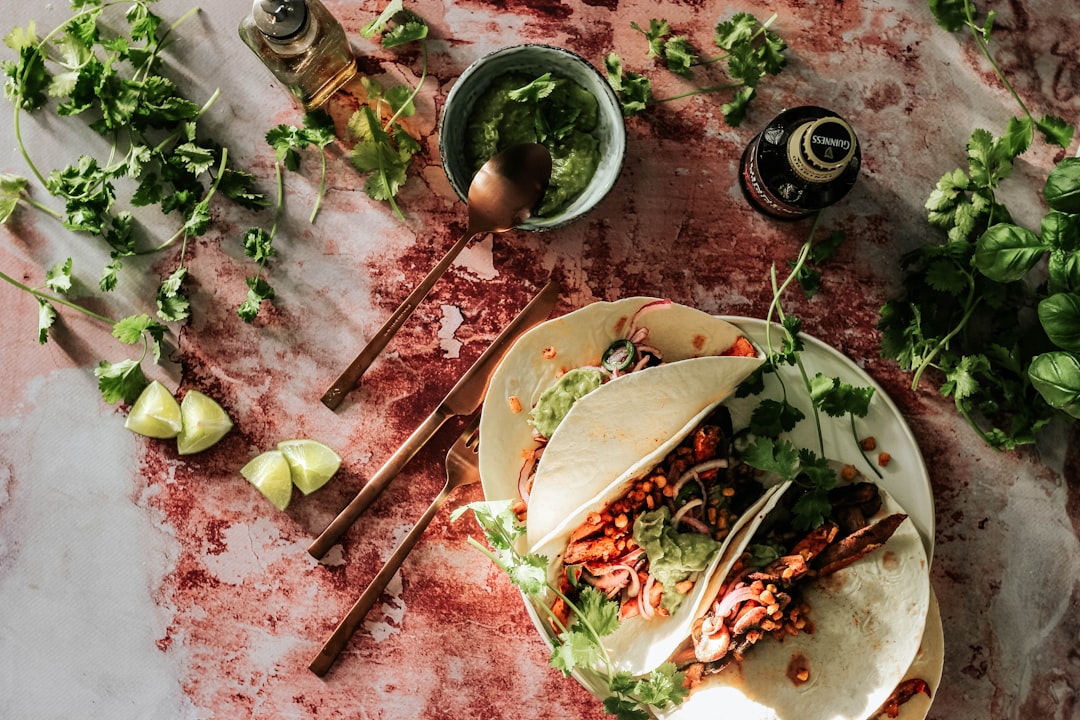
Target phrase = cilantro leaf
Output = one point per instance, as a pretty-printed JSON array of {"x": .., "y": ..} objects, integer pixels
[
  {"x": 46, "y": 319},
  {"x": 409, "y": 28},
  {"x": 773, "y": 456},
  {"x": 120, "y": 381},
  {"x": 258, "y": 290},
  {"x": 539, "y": 88},
  {"x": 774, "y": 417},
  {"x": 597, "y": 611},
  {"x": 836, "y": 398},
  {"x": 658, "y": 30},
  {"x": 11, "y": 191},
  {"x": 172, "y": 304},
  {"x": 1056, "y": 130},
  {"x": 680, "y": 55},
  {"x": 58, "y": 277},
  {"x": 633, "y": 89}
]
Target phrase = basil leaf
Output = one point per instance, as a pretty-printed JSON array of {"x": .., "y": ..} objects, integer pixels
[
  {"x": 1060, "y": 231},
  {"x": 1056, "y": 375},
  {"x": 1064, "y": 270},
  {"x": 1062, "y": 189},
  {"x": 1060, "y": 318},
  {"x": 1006, "y": 252}
]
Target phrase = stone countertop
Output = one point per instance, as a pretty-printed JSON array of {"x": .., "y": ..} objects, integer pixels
[{"x": 137, "y": 582}]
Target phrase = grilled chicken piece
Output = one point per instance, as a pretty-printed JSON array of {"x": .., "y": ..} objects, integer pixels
[
  {"x": 601, "y": 549},
  {"x": 849, "y": 549}
]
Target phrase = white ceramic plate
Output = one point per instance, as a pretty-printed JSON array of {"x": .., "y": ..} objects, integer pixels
[{"x": 905, "y": 477}]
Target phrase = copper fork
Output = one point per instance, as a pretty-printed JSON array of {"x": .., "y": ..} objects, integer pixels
[{"x": 462, "y": 468}]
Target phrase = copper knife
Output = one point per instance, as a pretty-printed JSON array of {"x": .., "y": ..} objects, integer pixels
[{"x": 463, "y": 399}]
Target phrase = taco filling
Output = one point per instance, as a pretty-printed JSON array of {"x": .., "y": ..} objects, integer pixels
[
  {"x": 648, "y": 546},
  {"x": 623, "y": 356},
  {"x": 762, "y": 595}
]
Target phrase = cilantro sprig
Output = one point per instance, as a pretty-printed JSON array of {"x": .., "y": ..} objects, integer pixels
[
  {"x": 118, "y": 381},
  {"x": 287, "y": 141},
  {"x": 384, "y": 148},
  {"x": 750, "y": 49},
  {"x": 579, "y": 646},
  {"x": 114, "y": 80},
  {"x": 967, "y": 302}
]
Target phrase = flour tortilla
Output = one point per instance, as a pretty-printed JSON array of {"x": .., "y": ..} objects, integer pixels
[
  {"x": 643, "y": 410},
  {"x": 639, "y": 645},
  {"x": 868, "y": 625}
]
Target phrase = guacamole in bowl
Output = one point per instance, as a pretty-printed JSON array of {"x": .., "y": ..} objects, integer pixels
[{"x": 536, "y": 93}]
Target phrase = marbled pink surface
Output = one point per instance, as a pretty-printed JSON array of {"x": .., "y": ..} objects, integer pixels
[{"x": 138, "y": 583}]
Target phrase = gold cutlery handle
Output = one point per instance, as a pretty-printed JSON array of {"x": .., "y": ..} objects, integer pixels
[
  {"x": 348, "y": 625},
  {"x": 347, "y": 380},
  {"x": 341, "y": 524}
]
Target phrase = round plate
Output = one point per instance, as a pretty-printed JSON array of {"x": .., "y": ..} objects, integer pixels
[{"x": 905, "y": 477}]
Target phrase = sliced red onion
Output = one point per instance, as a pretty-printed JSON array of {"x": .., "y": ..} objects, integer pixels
[
  {"x": 525, "y": 475},
  {"x": 726, "y": 604},
  {"x": 679, "y": 516},
  {"x": 644, "y": 606}
]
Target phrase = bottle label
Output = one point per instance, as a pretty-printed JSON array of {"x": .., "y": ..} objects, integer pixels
[{"x": 781, "y": 202}]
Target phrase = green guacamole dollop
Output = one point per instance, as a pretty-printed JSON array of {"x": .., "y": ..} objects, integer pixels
[
  {"x": 673, "y": 556},
  {"x": 563, "y": 121},
  {"x": 560, "y": 396}
]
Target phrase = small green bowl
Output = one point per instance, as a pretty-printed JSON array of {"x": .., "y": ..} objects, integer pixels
[{"x": 534, "y": 59}]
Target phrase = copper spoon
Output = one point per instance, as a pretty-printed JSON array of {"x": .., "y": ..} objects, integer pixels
[{"x": 502, "y": 195}]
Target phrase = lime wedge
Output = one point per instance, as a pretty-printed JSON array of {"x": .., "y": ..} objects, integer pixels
[
  {"x": 205, "y": 422},
  {"x": 155, "y": 413},
  {"x": 312, "y": 463},
  {"x": 269, "y": 472}
]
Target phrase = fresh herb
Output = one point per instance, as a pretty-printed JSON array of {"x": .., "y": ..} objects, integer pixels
[
  {"x": 115, "y": 80},
  {"x": 771, "y": 419},
  {"x": 751, "y": 51},
  {"x": 954, "y": 15},
  {"x": 578, "y": 646},
  {"x": 289, "y": 140},
  {"x": 13, "y": 190},
  {"x": 384, "y": 148},
  {"x": 118, "y": 381},
  {"x": 967, "y": 302}
]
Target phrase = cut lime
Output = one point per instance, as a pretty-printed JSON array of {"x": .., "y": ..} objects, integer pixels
[
  {"x": 205, "y": 422},
  {"x": 312, "y": 463},
  {"x": 269, "y": 472},
  {"x": 156, "y": 413}
]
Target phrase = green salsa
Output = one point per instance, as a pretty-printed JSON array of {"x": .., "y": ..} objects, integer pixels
[
  {"x": 551, "y": 110},
  {"x": 560, "y": 396}
]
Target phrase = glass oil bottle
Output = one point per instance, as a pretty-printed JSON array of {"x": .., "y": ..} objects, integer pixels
[{"x": 303, "y": 45}]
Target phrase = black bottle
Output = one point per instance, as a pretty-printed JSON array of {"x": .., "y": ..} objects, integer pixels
[{"x": 806, "y": 159}]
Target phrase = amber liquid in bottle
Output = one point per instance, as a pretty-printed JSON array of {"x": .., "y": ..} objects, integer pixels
[
  {"x": 303, "y": 45},
  {"x": 806, "y": 159}
]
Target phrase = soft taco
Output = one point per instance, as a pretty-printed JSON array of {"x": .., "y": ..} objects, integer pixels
[
  {"x": 810, "y": 624},
  {"x": 652, "y": 539},
  {"x": 674, "y": 361}
]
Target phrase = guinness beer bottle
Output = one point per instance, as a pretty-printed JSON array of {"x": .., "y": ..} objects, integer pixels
[{"x": 806, "y": 159}]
